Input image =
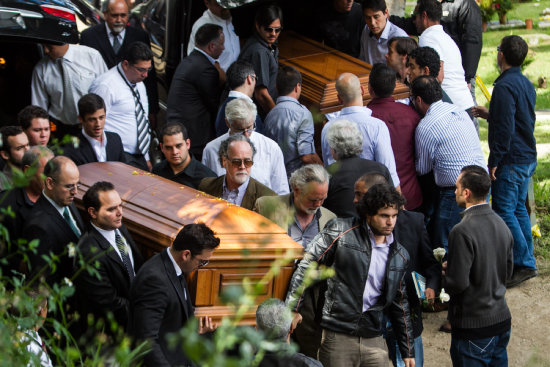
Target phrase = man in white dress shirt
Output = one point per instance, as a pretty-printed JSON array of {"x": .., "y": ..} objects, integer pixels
[
  {"x": 59, "y": 80},
  {"x": 270, "y": 170},
  {"x": 427, "y": 17},
  {"x": 377, "y": 32},
  {"x": 215, "y": 14},
  {"x": 126, "y": 104}
]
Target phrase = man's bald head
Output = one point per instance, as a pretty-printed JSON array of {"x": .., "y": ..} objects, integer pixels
[
  {"x": 62, "y": 180},
  {"x": 349, "y": 89},
  {"x": 116, "y": 15}
]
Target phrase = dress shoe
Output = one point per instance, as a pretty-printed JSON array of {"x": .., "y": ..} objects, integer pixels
[{"x": 521, "y": 275}]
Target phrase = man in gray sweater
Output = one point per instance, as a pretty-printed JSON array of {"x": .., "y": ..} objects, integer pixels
[{"x": 480, "y": 260}]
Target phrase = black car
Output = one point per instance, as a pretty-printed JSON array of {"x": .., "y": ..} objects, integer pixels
[{"x": 24, "y": 24}]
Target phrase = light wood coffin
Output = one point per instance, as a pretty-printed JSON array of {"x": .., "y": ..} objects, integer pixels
[
  {"x": 320, "y": 66},
  {"x": 155, "y": 209}
]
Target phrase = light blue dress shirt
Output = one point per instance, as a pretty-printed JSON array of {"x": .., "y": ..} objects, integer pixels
[
  {"x": 290, "y": 124},
  {"x": 373, "y": 50},
  {"x": 376, "y": 138}
]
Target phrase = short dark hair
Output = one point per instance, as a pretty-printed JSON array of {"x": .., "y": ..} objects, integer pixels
[
  {"x": 403, "y": 45},
  {"x": 7, "y": 132},
  {"x": 196, "y": 238},
  {"x": 27, "y": 114},
  {"x": 267, "y": 15},
  {"x": 428, "y": 88},
  {"x": 427, "y": 56},
  {"x": 376, "y": 5},
  {"x": 433, "y": 9},
  {"x": 173, "y": 128},
  {"x": 382, "y": 80},
  {"x": 287, "y": 78},
  {"x": 238, "y": 72},
  {"x": 371, "y": 179},
  {"x": 89, "y": 104},
  {"x": 91, "y": 197},
  {"x": 380, "y": 196},
  {"x": 477, "y": 180},
  {"x": 138, "y": 51},
  {"x": 514, "y": 49},
  {"x": 207, "y": 33}
]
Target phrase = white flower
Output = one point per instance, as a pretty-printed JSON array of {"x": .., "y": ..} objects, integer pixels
[
  {"x": 444, "y": 297},
  {"x": 72, "y": 250},
  {"x": 67, "y": 282},
  {"x": 75, "y": 141},
  {"x": 439, "y": 253}
]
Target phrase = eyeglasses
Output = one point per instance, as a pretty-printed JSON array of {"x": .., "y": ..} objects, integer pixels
[
  {"x": 271, "y": 29},
  {"x": 498, "y": 49},
  {"x": 70, "y": 187},
  {"x": 236, "y": 162},
  {"x": 244, "y": 131},
  {"x": 203, "y": 263},
  {"x": 254, "y": 77},
  {"x": 143, "y": 70}
]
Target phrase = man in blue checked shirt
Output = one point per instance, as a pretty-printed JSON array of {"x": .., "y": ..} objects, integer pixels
[{"x": 446, "y": 141}]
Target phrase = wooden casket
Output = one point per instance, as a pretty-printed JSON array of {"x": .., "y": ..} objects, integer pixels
[
  {"x": 155, "y": 209},
  {"x": 320, "y": 66}
]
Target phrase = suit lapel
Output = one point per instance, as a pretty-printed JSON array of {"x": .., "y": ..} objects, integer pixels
[
  {"x": 171, "y": 272},
  {"x": 109, "y": 250},
  {"x": 106, "y": 45},
  {"x": 77, "y": 218},
  {"x": 56, "y": 218},
  {"x": 86, "y": 149},
  {"x": 249, "y": 194}
]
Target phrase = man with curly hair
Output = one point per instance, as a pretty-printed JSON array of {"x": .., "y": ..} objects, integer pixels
[{"x": 370, "y": 266}]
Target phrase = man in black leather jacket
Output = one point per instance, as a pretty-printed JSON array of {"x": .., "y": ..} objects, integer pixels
[{"x": 368, "y": 283}]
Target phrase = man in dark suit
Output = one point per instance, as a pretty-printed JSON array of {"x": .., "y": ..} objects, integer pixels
[
  {"x": 112, "y": 39},
  {"x": 109, "y": 244},
  {"x": 55, "y": 221},
  {"x": 21, "y": 200},
  {"x": 410, "y": 232},
  {"x": 236, "y": 186},
  {"x": 160, "y": 302},
  {"x": 179, "y": 165},
  {"x": 95, "y": 144},
  {"x": 241, "y": 80},
  {"x": 195, "y": 91}
]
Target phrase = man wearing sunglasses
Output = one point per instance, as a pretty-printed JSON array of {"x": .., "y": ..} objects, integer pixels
[
  {"x": 55, "y": 221},
  {"x": 126, "y": 103},
  {"x": 236, "y": 186},
  {"x": 240, "y": 116},
  {"x": 262, "y": 52}
]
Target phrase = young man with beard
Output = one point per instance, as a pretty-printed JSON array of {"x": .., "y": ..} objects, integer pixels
[
  {"x": 236, "y": 186},
  {"x": 370, "y": 266},
  {"x": 14, "y": 145}
]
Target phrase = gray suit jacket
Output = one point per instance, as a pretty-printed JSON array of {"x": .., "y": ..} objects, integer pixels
[{"x": 214, "y": 186}]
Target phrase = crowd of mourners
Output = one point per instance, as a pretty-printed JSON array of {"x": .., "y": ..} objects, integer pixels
[{"x": 387, "y": 184}]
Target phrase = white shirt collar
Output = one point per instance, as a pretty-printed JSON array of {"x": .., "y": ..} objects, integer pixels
[
  {"x": 110, "y": 236},
  {"x": 95, "y": 142},
  {"x": 237, "y": 94},
  {"x": 60, "y": 209},
  {"x": 210, "y": 58},
  {"x": 176, "y": 266},
  {"x": 111, "y": 35}
]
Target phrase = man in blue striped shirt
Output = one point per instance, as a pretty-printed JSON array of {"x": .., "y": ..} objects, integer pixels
[{"x": 446, "y": 141}]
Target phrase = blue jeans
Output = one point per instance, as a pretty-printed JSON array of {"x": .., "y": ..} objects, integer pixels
[
  {"x": 445, "y": 217},
  {"x": 486, "y": 352},
  {"x": 509, "y": 193}
]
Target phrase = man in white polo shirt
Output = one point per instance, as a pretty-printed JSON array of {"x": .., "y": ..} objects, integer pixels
[{"x": 427, "y": 17}]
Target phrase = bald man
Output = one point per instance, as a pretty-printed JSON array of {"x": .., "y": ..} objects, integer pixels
[
  {"x": 113, "y": 38},
  {"x": 55, "y": 221},
  {"x": 376, "y": 136}
]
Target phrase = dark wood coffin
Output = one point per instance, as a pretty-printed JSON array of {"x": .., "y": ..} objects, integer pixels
[
  {"x": 320, "y": 66},
  {"x": 155, "y": 209}
]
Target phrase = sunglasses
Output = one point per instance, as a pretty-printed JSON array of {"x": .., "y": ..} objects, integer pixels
[
  {"x": 236, "y": 162},
  {"x": 271, "y": 29}
]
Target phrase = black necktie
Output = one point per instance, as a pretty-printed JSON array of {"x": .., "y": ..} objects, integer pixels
[
  {"x": 183, "y": 283},
  {"x": 124, "y": 255}
]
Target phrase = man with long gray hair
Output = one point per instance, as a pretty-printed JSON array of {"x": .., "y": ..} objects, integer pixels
[
  {"x": 274, "y": 319},
  {"x": 240, "y": 115},
  {"x": 345, "y": 143},
  {"x": 303, "y": 216}
]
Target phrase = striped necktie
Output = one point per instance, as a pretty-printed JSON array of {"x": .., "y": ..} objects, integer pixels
[
  {"x": 116, "y": 43},
  {"x": 121, "y": 245},
  {"x": 144, "y": 139}
]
